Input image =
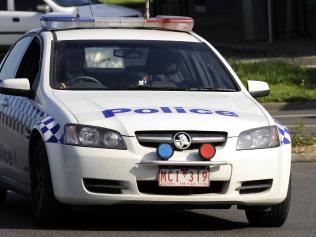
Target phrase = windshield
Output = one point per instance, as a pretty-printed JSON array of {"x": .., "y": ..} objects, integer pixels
[
  {"x": 138, "y": 65},
  {"x": 72, "y": 3}
]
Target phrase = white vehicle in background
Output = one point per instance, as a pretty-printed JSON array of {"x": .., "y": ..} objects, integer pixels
[
  {"x": 136, "y": 111},
  {"x": 19, "y": 16}
]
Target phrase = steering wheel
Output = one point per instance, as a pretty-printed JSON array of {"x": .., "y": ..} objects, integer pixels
[{"x": 85, "y": 78}]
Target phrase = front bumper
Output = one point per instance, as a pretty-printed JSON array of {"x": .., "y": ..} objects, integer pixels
[{"x": 70, "y": 165}]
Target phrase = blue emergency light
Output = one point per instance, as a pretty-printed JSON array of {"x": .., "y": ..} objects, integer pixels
[{"x": 165, "y": 151}]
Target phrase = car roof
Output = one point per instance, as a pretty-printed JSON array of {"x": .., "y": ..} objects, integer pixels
[{"x": 124, "y": 34}]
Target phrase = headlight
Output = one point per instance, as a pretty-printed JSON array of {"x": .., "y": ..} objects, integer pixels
[
  {"x": 258, "y": 138},
  {"x": 81, "y": 135}
]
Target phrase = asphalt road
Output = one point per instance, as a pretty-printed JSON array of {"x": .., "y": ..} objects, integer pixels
[
  {"x": 291, "y": 118},
  {"x": 15, "y": 218}
]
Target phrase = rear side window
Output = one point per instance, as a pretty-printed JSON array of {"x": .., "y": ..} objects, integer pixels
[{"x": 3, "y": 5}]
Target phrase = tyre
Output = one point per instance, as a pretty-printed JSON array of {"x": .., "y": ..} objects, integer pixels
[
  {"x": 3, "y": 195},
  {"x": 275, "y": 216},
  {"x": 46, "y": 209}
]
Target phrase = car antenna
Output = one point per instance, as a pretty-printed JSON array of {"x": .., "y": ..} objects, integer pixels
[{"x": 147, "y": 9}]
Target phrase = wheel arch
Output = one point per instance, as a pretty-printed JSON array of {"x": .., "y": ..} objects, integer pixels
[{"x": 34, "y": 137}]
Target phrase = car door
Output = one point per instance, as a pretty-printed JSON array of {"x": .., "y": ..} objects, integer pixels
[
  {"x": 11, "y": 169},
  {"x": 27, "y": 109},
  {"x": 20, "y": 17}
]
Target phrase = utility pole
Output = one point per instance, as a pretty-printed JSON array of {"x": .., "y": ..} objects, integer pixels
[{"x": 270, "y": 29}]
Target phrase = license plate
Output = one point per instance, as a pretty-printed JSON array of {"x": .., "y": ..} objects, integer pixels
[{"x": 184, "y": 177}]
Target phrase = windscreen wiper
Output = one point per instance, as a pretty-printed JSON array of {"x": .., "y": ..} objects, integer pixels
[
  {"x": 155, "y": 88},
  {"x": 212, "y": 89}
]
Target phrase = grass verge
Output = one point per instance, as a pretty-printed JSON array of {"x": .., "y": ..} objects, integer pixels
[
  {"x": 300, "y": 138},
  {"x": 288, "y": 81}
]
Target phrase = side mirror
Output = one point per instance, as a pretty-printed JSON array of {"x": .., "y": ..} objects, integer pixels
[
  {"x": 17, "y": 87},
  {"x": 44, "y": 8},
  {"x": 258, "y": 88}
]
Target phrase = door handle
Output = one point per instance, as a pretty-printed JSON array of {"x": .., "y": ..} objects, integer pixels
[
  {"x": 4, "y": 102},
  {"x": 16, "y": 19}
]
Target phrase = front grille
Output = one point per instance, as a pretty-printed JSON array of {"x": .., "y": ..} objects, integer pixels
[
  {"x": 152, "y": 187},
  {"x": 104, "y": 186},
  {"x": 153, "y": 138},
  {"x": 255, "y": 186}
]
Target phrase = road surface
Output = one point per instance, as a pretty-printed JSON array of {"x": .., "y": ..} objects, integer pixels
[{"x": 15, "y": 218}]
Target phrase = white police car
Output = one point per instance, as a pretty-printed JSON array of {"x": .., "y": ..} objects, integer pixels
[{"x": 136, "y": 111}]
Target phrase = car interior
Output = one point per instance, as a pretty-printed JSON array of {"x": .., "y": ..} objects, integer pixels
[
  {"x": 154, "y": 73},
  {"x": 99, "y": 66}
]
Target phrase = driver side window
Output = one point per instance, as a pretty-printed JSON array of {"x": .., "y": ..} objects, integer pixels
[{"x": 30, "y": 64}]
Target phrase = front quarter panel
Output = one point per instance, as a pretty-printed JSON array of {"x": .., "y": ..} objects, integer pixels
[
  {"x": 54, "y": 109},
  {"x": 53, "y": 114}
]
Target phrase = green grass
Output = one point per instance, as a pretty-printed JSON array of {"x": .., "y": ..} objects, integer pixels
[
  {"x": 288, "y": 81},
  {"x": 299, "y": 136}
]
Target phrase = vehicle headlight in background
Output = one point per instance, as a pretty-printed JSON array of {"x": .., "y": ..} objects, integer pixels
[
  {"x": 258, "y": 138},
  {"x": 81, "y": 135}
]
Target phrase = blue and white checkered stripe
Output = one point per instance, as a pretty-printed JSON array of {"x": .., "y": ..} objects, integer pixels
[
  {"x": 51, "y": 130},
  {"x": 284, "y": 134},
  {"x": 22, "y": 115}
]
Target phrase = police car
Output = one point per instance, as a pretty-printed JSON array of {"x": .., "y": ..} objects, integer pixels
[{"x": 99, "y": 111}]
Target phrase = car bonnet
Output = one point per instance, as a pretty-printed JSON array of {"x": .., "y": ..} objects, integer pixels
[{"x": 131, "y": 111}]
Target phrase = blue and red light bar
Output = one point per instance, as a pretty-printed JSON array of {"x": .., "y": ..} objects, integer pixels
[{"x": 60, "y": 22}]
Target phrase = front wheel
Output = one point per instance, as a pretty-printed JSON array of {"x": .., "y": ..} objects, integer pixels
[
  {"x": 3, "y": 195},
  {"x": 46, "y": 209},
  {"x": 275, "y": 216}
]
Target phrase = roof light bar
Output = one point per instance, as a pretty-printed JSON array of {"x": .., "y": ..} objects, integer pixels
[
  {"x": 60, "y": 22},
  {"x": 170, "y": 23}
]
